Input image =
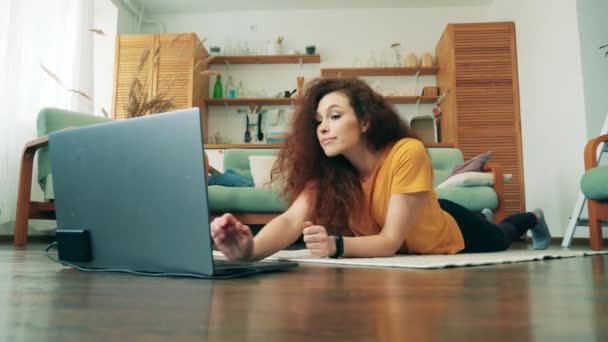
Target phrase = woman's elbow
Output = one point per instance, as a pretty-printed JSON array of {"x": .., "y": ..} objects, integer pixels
[{"x": 391, "y": 248}]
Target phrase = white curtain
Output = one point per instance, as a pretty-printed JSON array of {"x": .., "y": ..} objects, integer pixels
[{"x": 53, "y": 33}]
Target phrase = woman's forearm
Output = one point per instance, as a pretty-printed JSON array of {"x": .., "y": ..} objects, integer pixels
[
  {"x": 369, "y": 246},
  {"x": 279, "y": 233}
]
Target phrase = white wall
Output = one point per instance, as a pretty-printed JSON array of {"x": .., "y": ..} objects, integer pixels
[
  {"x": 593, "y": 32},
  {"x": 553, "y": 118},
  {"x": 126, "y": 22},
  {"x": 341, "y": 37}
]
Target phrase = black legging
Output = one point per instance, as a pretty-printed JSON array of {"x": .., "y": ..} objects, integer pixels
[{"x": 481, "y": 235}]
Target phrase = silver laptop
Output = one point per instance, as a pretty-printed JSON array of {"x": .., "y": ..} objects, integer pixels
[{"x": 137, "y": 188}]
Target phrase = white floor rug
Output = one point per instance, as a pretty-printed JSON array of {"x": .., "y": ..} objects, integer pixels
[{"x": 438, "y": 261}]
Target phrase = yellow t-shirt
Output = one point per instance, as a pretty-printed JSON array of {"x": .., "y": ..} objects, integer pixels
[{"x": 405, "y": 168}]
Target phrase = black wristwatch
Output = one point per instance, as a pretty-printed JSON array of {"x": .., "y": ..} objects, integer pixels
[{"x": 339, "y": 246}]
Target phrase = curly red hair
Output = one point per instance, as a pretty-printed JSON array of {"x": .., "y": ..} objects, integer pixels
[{"x": 333, "y": 182}]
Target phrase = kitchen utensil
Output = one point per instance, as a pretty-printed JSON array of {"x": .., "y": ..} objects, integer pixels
[
  {"x": 247, "y": 137},
  {"x": 289, "y": 93},
  {"x": 260, "y": 134}
]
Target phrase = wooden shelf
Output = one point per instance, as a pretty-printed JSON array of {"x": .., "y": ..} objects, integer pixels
[
  {"x": 263, "y": 101},
  {"x": 410, "y": 99},
  {"x": 225, "y": 146},
  {"x": 266, "y": 59},
  {"x": 389, "y": 71}
]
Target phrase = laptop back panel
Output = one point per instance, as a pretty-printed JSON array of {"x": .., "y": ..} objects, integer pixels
[{"x": 138, "y": 186}]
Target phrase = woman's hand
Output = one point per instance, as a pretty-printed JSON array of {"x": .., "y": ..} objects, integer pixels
[
  {"x": 232, "y": 238},
  {"x": 317, "y": 241}
]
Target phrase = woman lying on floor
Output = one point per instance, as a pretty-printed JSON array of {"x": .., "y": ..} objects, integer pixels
[{"x": 351, "y": 167}]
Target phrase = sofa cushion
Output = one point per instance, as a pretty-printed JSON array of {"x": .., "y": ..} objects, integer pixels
[
  {"x": 251, "y": 200},
  {"x": 594, "y": 183},
  {"x": 475, "y": 164},
  {"x": 444, "y": 161},
  {"x": 261, "y": 169},
  {"x": 472, "y": 198},
  {"x": 473, "y": 178},
  {"x": 238, "y": 159}
]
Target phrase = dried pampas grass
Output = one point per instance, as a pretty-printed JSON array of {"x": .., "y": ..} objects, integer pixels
[
  {"x": 97, "y": 31},
  {"x": 82, "y": 94},
  {"x": 75, "y": 91},
  {"x": 52, "y": 75},
  {"x": 62, "y": 85},
  {"x": 208, "y": 73},
  {"x": 140, "y": 102}
]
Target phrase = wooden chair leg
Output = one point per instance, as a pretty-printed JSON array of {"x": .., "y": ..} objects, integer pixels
[
  {"x": 23, "y": 197},
  {"x": 595, "y": 232},
  {"x": 598, "y": 211}
]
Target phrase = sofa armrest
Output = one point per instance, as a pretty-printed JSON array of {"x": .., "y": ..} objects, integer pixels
[
  {"x": 54, "y": 119},
  {"x": 499, "y": 188},
  {"x": 33, "y": 145},
  {"x": 591, "y": 151}
]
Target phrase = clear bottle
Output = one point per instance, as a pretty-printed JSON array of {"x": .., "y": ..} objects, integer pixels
[
  {"x": 240, "y": 91},
  {"x": 371, "y": 62},
  {"x": 230, "y": 91},
  {"x": 217, "y": 88}
]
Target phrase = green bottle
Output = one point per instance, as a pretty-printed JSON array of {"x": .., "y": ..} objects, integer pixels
[{"x": 217, "y": 88}]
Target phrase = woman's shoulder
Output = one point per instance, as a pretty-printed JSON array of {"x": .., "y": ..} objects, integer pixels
[{"x": 406, "y": 146}]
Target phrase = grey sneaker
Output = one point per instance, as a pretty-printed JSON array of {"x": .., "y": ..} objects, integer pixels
[
  {"x": 488, "y": 214},
  {"x": 541, "y": 236}
]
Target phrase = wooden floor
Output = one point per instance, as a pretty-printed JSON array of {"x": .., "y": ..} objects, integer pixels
[{"x": 553, "y": 300}]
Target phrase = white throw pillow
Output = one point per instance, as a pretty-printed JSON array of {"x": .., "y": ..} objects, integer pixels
[
  {"x": 472, "y": 178},
  {"x": 261, "y": 166}
]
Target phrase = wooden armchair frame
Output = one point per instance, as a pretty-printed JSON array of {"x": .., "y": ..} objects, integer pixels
[
  {"x": 27, "y": 209},
  {"x": 598, "y": 210}
]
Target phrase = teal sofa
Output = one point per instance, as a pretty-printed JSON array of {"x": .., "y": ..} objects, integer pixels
[{"x": 258, "y": 206}]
